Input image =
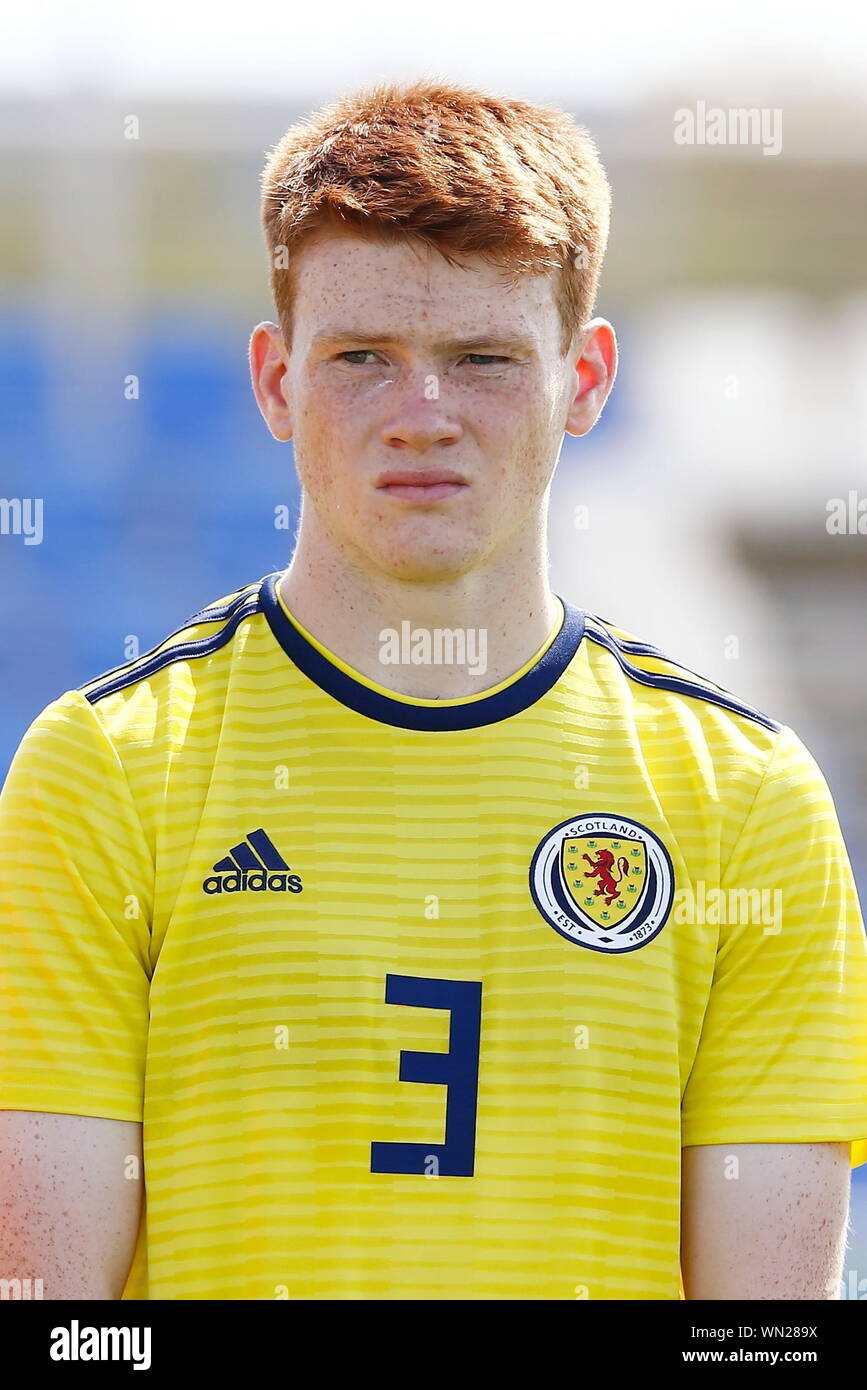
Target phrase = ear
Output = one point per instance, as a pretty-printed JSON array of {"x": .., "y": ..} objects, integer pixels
[
  {"x": 269, "y": 360},
  {"x": 595, "y": 368}
]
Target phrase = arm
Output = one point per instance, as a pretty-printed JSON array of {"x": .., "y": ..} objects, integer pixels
[
  {"x": 764, "y": 1221},
  {"x": 70, "y": 1202},
  {"x": 76, "y": 906}
]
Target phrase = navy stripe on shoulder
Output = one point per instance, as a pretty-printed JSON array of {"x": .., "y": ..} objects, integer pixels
[
  {"x": 214, "y": 612},
  {"x": 234, "y": 611},
  {"x": 677, "y": 684},
  {"x": 204, "y": 615},
  {"x": 628, "y": 644}
]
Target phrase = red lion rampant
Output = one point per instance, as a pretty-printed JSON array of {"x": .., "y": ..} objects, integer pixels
[{"x": 602, "y": 867}]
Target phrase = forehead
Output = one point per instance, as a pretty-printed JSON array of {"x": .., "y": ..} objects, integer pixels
[{"x": 403, "y": 284}]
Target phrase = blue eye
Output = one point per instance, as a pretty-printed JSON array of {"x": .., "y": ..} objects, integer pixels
[
  {"x": 355, "y": 353},
  {"x": 484, "y": 359}
]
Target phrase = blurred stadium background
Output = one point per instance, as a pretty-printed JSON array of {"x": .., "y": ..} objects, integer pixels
[{"x": 696, "y": 514}]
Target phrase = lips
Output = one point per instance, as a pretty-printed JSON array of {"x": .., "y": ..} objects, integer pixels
[
  {"x": 421, "y": 484},
  {"x": 418, "y": 477}
]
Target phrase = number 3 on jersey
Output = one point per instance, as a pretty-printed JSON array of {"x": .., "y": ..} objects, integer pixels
[{"x": 457, "y": 1070}]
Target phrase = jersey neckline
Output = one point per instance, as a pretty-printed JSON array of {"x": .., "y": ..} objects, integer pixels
[{"x": 425, "y": 716}]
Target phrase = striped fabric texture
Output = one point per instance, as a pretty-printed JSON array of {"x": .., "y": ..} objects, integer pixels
[{"x": 422, "y": 999}]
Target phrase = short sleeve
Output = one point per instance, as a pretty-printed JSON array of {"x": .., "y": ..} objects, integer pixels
[
  {"x": 76, "y": 890},
  {"x": 782, "y": 1054}
]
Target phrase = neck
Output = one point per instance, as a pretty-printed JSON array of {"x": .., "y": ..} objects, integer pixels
[{"x": 502, "y": 612}]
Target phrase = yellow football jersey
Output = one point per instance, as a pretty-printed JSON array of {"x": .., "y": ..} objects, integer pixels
[{"x": 421, "y": 999}]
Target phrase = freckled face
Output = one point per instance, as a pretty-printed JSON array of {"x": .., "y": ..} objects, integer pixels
[{"x": 428, "y": 402}]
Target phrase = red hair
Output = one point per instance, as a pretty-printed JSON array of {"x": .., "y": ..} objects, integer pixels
[{"x": 455, "y": 168}]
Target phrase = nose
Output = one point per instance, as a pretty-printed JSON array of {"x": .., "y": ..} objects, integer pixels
[{"x": 419, "y": 423}]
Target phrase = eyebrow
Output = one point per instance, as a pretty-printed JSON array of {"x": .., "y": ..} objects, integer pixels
[{"x": 510, "y": 340}]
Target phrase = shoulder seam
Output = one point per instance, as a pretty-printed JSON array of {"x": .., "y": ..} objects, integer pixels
[{"x": 772, "y": 758}]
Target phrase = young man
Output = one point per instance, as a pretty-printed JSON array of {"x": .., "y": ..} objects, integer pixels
[{"x": 528, "y": 970}]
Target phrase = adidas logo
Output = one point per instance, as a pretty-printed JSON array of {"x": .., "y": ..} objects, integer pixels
[{"x": 255, "y": 865}]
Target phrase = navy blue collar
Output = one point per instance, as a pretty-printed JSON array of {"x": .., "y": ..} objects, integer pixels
[{"x": 426, "y": 718}]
